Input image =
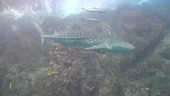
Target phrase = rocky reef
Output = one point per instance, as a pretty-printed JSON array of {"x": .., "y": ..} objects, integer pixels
[
  {"x": 21, "y": 55},
  {"x": 27, "y": 69},
  {"x": 149, "y": 76},
  {"x": 142, "y": 28},
  {"x": 70, "y": 74}
]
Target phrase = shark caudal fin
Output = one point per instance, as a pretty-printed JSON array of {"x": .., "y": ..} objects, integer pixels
[{"x": 40, "y": 30}]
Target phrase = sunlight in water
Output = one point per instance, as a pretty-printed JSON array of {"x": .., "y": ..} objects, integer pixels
[
  {"x": 71, "y": 7},
  {"x": 75, "y": 6},
  {"x": 64, "y": 8},
  {"x": 142, "y": 1}
]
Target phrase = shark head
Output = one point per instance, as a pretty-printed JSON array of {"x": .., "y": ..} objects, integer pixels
[
  {"x": 118, "y": 46},
  {"x": 112, "y": 46}
]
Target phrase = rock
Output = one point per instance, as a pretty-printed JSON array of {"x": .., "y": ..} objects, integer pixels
[
  {"x": 142, "y": 29},
  {"x": 72, "y": 74},
  {"x": 165, "y": 53}
]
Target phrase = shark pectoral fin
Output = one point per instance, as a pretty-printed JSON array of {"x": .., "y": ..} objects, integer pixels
[{"x": 97, "y": 47}]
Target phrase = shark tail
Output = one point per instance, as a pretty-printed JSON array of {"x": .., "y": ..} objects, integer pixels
[{"x": 40, "y": 30}]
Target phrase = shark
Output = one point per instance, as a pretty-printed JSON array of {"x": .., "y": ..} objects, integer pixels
[
  {"x": 94, "y": 10},
  {"x": 91, "y": 19},
  {"x": 104, "y": 42}
]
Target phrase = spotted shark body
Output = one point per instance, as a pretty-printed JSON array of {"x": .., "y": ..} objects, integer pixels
[{"x": 91, "y": 40}]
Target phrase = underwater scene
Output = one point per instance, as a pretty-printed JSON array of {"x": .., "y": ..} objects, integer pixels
[{"x": 84, "y": 47}]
